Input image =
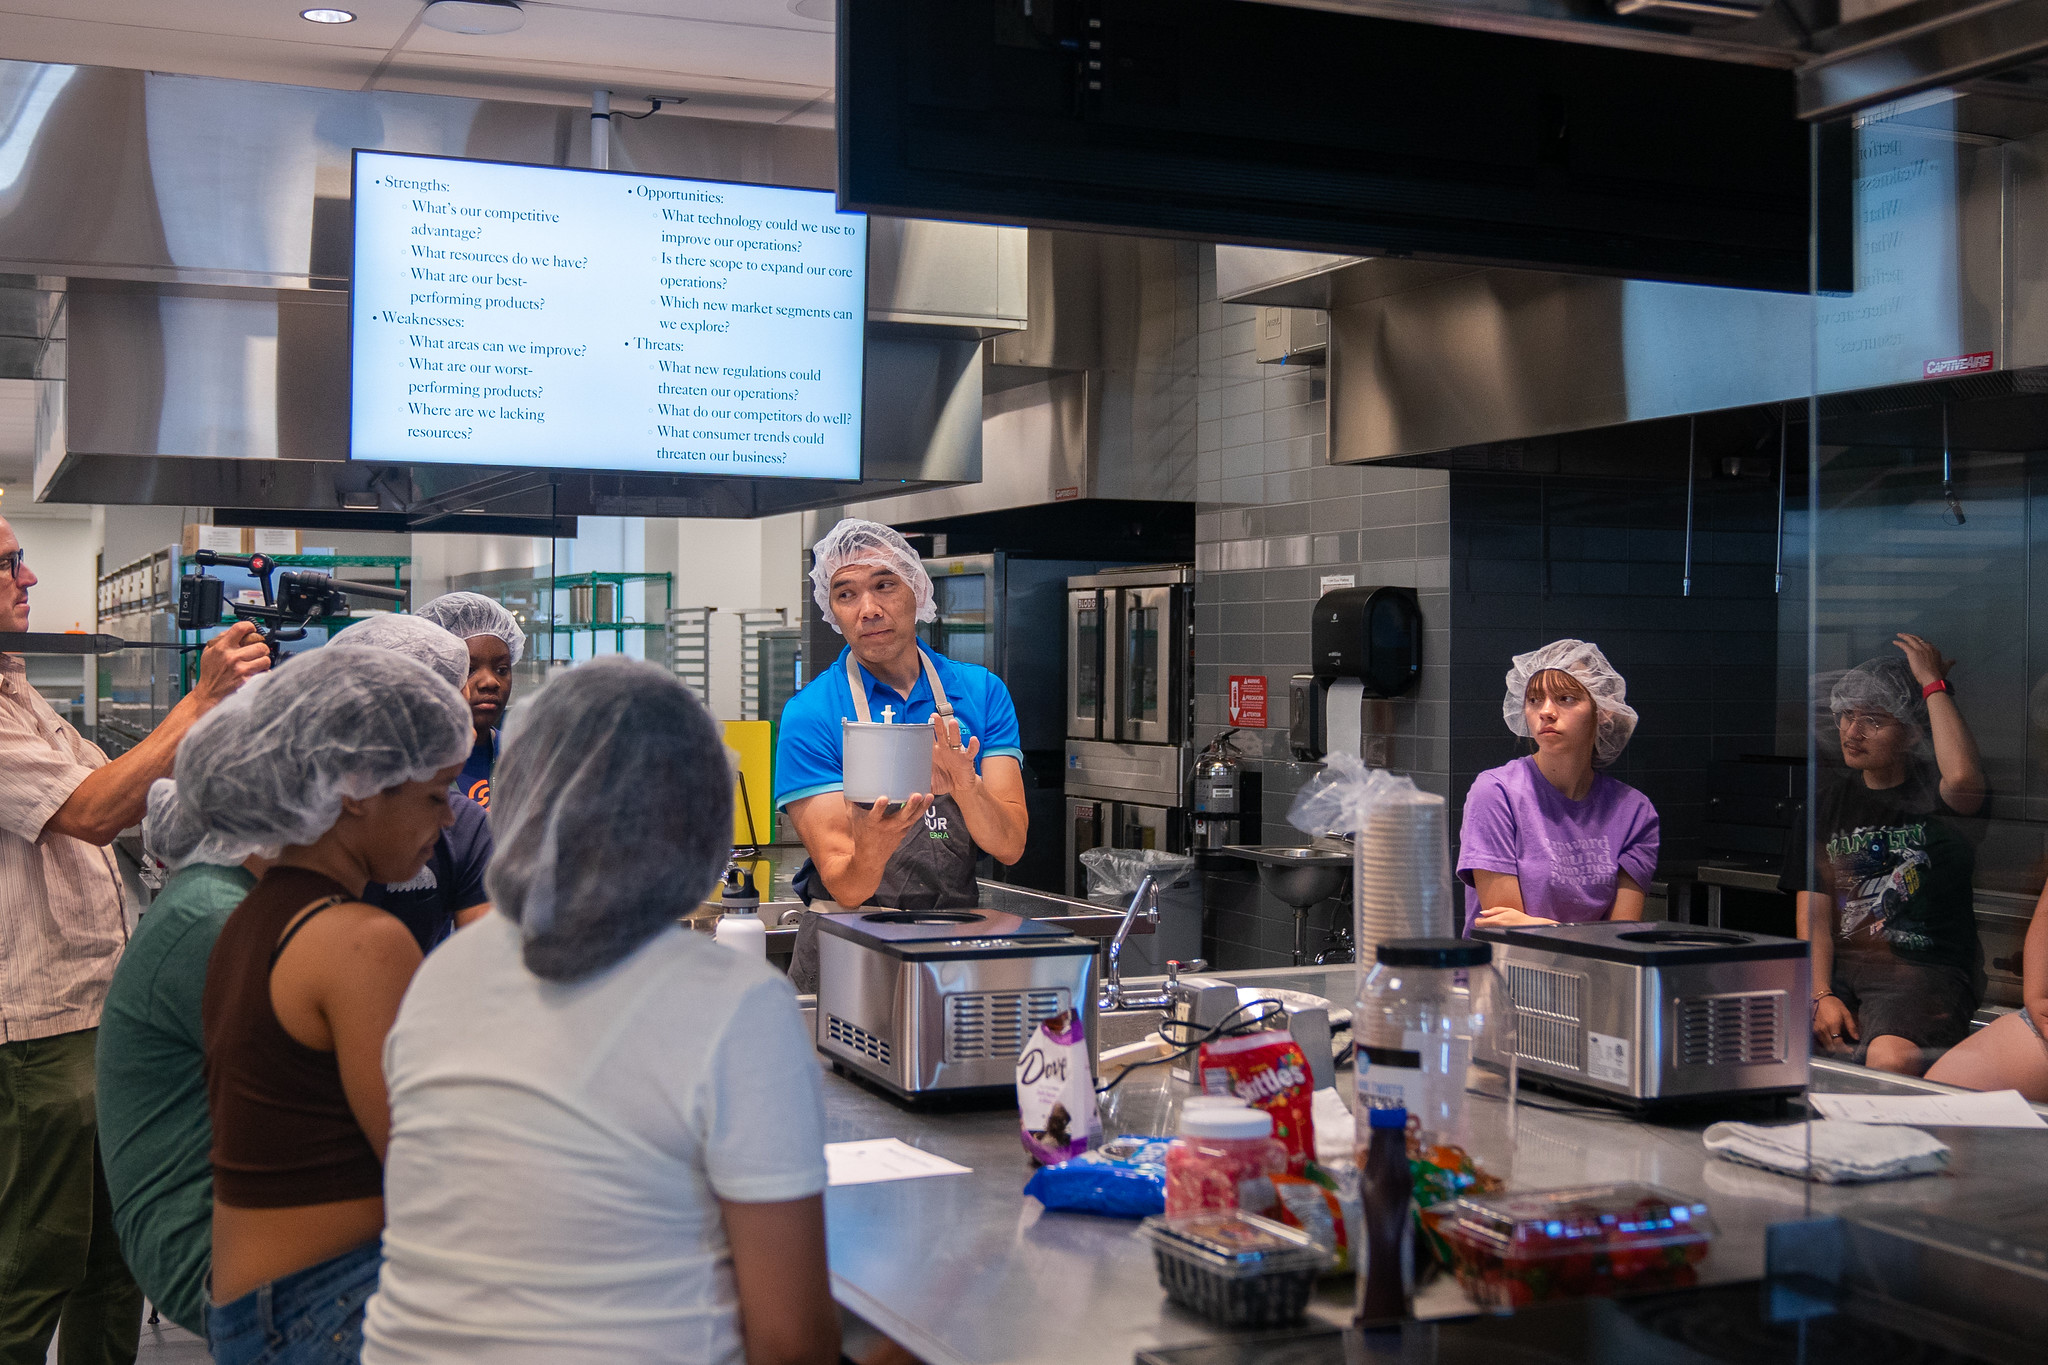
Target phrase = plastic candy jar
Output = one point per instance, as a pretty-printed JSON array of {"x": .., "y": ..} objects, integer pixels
[{"x": 1225, "y": 1158}]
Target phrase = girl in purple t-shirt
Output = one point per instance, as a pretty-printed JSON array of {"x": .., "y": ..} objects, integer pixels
[{"x": 1550, "y": 839}]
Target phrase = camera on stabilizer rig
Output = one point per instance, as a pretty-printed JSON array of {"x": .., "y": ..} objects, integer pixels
[{"x": 301, "y": 596}]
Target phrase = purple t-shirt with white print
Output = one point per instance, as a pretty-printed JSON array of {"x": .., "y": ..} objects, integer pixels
[{"x": 1566, "y": 853}]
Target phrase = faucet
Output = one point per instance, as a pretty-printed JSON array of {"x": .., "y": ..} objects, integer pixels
[{"x": 1114, "y": 997}]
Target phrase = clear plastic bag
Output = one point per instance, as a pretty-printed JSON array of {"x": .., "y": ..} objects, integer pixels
[
  {"x": 1401, "y": 879},
  {"x": 1340, "y": 798},
  {"x": 1117, "y": 871}
]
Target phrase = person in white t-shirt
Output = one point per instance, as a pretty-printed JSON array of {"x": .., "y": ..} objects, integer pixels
[{"x": 607, "y": 1138}]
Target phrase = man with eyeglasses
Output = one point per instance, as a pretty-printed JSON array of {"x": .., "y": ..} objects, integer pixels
[
  {"x": 62, "y": 928},
  {"x": 1885, "y": 897}
]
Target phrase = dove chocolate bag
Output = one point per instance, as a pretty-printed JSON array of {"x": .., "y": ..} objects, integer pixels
[{"x": 1056, "y": 1091}]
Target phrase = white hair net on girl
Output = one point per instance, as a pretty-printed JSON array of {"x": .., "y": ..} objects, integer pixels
[
  {"x": 333, "y": 723},
  {"x": 416, "y": 638},
  {"x": 466, "y": 615},
  {"x": 868, "y": 542},
  {"x": 169, "y": 833},
  {"x": 586, "y": 875},
  {"x": 172, "y": 831},
  {"x": 1585, "y": 663}
]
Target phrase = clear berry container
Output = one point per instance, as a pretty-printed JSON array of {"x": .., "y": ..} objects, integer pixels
[
  {"x": 1236, "y": 1269},
  {"x": 1510, "y": 1250}
]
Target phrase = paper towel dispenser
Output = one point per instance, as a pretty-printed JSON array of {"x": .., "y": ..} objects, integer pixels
[{"x": 1371, "y": 634}]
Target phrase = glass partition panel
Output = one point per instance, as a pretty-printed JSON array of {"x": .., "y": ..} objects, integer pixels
[{"x": 1915, "y": 588}]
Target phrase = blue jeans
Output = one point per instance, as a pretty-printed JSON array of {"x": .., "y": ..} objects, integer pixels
[{"x": 309, "y": 1317}]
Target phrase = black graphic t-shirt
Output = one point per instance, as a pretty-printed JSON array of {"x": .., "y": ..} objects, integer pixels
[{"x": 1898, "y": 864}]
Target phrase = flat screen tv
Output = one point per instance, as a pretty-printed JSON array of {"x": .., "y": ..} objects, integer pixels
[
  {"x": 1278, "y": 125},
  {"x": 532, "y": 316}
]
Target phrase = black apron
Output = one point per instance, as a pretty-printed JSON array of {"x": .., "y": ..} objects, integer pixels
[{"x": 932, "y": 869}]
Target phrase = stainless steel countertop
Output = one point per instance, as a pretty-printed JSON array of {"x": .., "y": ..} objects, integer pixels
[{"x": 963, "y": 1270}]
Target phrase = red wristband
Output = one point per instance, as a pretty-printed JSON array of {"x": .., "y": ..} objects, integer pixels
[{"x": 1938, "y": 685}]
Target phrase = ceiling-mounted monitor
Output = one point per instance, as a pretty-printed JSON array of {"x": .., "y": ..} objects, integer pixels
[
  {"x": 537, "y": 317},
  {"x": 1294, "y": 126}
]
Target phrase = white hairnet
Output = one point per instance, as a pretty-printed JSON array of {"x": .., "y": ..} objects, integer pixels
[
  {"x": 1883, "y": 684},
  {"x": 468, "y": 614},
  {"x": 416, "y": 638},
  {"x": 1584, "y": 662},
  {"x": 169, "y": 833},
  {"x": 332, "y": 723},
  {"x": 868, "y": 542},
  {"x": 172, "y": 831},
  {"x": 611, "y": 809}
]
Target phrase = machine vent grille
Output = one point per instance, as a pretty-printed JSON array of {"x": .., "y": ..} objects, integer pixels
[
  {"x": 1548, "y": 1027},
  {"x": 1720, "y": 1030},
  {"x": 857, "y": 1039},
  {"x": 995, "y": 1025}
]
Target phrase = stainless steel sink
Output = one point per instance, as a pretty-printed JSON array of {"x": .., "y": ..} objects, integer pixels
[
  {"x": 1297, "y": 876},
  {"x": 1114, "y": 1028}
]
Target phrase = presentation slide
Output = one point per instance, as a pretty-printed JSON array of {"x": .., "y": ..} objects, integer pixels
[{"x": 535, "y": 316}]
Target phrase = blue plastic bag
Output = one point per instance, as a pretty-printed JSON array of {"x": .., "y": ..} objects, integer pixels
[{"x": 1123, "y": 1178}]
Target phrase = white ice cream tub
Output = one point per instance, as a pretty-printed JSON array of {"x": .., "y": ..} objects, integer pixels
[{"x": 879, "y": 760}]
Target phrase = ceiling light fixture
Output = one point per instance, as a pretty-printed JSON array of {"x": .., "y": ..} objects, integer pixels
[
  {"x": 327, "y": 16},
  {"x": 818, "y": 11},
  {"x": 473, "y": 16}
]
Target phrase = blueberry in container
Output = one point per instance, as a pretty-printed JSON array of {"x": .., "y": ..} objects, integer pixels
[{"x": 1234, "y": 1268}]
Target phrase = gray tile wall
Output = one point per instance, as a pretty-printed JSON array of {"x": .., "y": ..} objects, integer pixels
[
  {"x": 1538, "y": 559},
  {"x": 1271, "y": 519}
]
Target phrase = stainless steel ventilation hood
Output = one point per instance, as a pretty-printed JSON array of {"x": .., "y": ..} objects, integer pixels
[
  {"x": 199, "y": 396},
  {"x": 192, "y": 235},
  {"x": 1095, "y": 399},
  {"x": 1426, "y": 359}
]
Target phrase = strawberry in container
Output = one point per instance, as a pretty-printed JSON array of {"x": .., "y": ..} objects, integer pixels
[{"x": 1511, "y": 1250}]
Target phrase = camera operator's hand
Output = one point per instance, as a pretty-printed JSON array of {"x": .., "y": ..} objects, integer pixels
[
  {"x": 115, "y": 796},
  {"x": 236, "y": 655}
]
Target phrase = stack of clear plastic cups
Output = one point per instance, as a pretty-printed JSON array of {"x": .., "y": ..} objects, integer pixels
[{"x": 1425, "y": 1009}]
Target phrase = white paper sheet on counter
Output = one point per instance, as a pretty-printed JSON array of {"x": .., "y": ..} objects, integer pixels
[
  {"x": 878, "y": 1159},
  {"x": 1991, "y": 1109}
]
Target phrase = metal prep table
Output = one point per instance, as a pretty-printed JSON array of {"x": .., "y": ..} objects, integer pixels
[
  {"x": 1716, "y": 877},
  {"x": 963, "y": 1270}
]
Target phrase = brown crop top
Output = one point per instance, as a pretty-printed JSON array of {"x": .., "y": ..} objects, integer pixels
[{"x": 283, "y": 1133}]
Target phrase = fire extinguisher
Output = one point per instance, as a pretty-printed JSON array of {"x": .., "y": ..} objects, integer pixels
[{"x": 1218, "y": 795}]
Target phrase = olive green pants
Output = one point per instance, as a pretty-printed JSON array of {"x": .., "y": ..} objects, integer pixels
[{"x": 60, "y": 1262}]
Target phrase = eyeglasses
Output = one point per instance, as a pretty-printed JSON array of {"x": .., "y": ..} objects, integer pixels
[
  {"x": 1851, "y": 721},
  {"x": 15, "y": 564}
]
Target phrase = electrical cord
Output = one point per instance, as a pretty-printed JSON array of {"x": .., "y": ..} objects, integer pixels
[
  {"x": 656, "y": 103},
  {"x": 1222, "y": 1028}
]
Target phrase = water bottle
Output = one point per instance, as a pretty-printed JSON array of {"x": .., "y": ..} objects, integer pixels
[{"x": 743, "y": 932}]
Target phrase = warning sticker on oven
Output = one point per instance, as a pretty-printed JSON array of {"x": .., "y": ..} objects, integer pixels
[{"x": 1607, "y": 1058}]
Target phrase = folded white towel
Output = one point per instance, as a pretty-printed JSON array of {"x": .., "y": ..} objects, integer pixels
[{"x": 1843, "y": 1152}]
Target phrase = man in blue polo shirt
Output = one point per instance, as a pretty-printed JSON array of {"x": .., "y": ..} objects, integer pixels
[{"x": 874, "y": 590}]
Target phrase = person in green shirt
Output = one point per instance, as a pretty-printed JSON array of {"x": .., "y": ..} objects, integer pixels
[
  {"x": 156, "y": 1134},
  {"x": 154, "y": 1128}
]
